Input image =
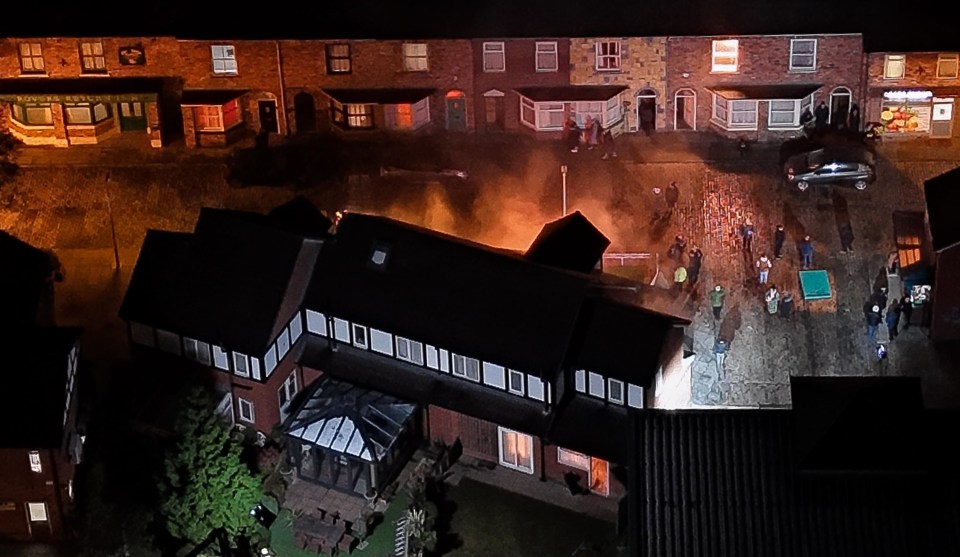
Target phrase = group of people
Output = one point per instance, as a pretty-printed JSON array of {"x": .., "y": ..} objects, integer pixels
[
  {"x": 592, "y": 135},
  {"x": 748, "y": 233},
  {"x": 821, "y": 118},
  {"x": 898, "y": 310},
  {"x": 664, "y": 203},
  {"x": 685, "y": 275}
]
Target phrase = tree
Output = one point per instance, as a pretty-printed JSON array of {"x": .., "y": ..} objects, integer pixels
[{"x": 205, "y": 485}]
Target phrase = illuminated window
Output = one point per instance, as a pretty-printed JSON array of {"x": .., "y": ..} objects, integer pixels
[
  {"x": 34, "y": 114},
  {"x": 415, "y": 57},
  {"x": 35, "y": 465},
  {"x": 494, "y": 58},
  {"x": 803, "y": 55},
  {"x": 85, "y": 113},
  {"x": 359, "y": 115},
  {"x": 91, "y": 57},
  {"x": 245, "y": 408},
  {"x": 468, "y": 368},
  {"x": 947, "y": 66},
  {"x": 208, "y": 118},
  {"x": 573, "y": 459},
  {"x": 410, "y": 351},
  {"x": 224, "y": 59},
  {"x": 894, "y": 66},
  {"x": 231, "y": 113},
  {"x": 547, "y": 57},
  {"x": 338, "y": 58},
  {"x": 31, "y": 58},
  {"x": 37, "y": 511},
  {"x": 516, "y": 450},
  {"x": 608, "y": 56},
  {"x": 726, "y": 55}
]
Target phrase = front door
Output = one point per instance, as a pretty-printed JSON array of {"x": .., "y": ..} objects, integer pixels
[
  {"x": 456, "y": 112},
  {"x": 133, "y": 117},
  {"x": 685, "y": 110},
  {"x": 647, "y": 112},
  {"x": 305, "y": 111},
  {"x": 268, "y": 116},
  {"x": 493, "y": 109},
  {"x": 839, "y": 108}
]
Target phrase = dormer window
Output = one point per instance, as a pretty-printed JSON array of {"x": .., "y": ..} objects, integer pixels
[{"x": 379, "y": 256}]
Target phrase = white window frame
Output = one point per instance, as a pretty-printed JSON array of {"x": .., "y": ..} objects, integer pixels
[
  {"x": 464, "y": 371},
  {"x": 611, "y": 382},
  {"x": 511, "y": 373},
  {"x": 949, "y": 58},
  {"x": 724, "y": 111},
  {"x": 357, "y": 331},
  {"x": 634, "y": 396},
  {"x": 410, "y": 347},
  {"x": 794, "y": 114},
  {"x": 296, "y": 327},
  {"x": 316, "y": 323},
  {"x": 494, "y": 52},
  {"x": 890, "y": 61},
  {"x": 596, "y": 386},
  {"x": 573, "y": 459},
  {"x": 221, "y": 360},
  {"x": 92, "y": 58},
  {"x": 504, "y": 433},
  {"x": 721, "y": 56},
  {"x": 35, "y": 464},
  {"x": 546, "y": 49},
  {"x": 31, "y": 58},
  {"x": 607, "y": 56},
  {"x": 580, "y": 381},
  {"x": 794, "y": 66},
  {"x": 237, "y": 359},
  {"x": 413, "y": 59},
  {"x": 223, "y": 59},
  {"x": 37, "y": 512},
  {"x": 288, "y": 388},
  {"x": 537, "y": 389},
  {"x": 165, "y": 342},
  {"x": 242, "y": 405}
]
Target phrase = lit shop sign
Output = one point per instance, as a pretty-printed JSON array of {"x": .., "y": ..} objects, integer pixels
[{"x": 908, "y": 95}]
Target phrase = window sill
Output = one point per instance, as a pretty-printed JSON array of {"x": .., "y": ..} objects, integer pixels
[
  {"x": 802, "y": 70},
  {"x": 37, "y": 127},
  {"x": 95, "y": 74},
  {"x": 724, "y": 72},
  {"x": 494, "y": 71},
  {"x": 554, "y": 70},
  {"x": 215, "y": 74},
  {"x": 33, "y": 74},
  {"x": 609, "y": 70},
  {"x": 724, "y": 126},
  {"x": 784, "y": 128},
  {"x": 946, "y": 77}
]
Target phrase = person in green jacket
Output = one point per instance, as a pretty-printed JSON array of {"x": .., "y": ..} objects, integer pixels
[
  {"x": 716, "y": 300},
  {"x": 679, "y": 278}
]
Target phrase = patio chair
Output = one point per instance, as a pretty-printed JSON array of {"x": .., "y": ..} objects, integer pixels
[{"x": 347, "y": 544}]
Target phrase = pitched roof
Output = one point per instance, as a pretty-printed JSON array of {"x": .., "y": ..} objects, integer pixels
[
  {"x": 942, "y": 194},
  {"x": 24, "y": 281},
  {"x": 32, "y": 402},
  {"x": 224, "y": 284},
  {"x": 570, "y": 242},
  {"x": 726, "y": 482},
  {"x": 466, "y": 297}
]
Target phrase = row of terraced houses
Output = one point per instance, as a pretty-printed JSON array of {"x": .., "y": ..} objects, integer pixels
[{"x": 72, "y": 91}]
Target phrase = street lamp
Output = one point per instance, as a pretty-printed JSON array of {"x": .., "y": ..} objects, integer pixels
[
  {"x": 563, "y": 171},
  {"x": 113, "y": 228}
]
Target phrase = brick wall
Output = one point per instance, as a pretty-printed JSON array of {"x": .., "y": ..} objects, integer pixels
[
  {"x": 643, "y": 65},
  {"x": 21, "y": 485},
  {"x": 763, "y": 60},
  {"x": 61, "y": 56},
  {"x": 920, "y": 72}
]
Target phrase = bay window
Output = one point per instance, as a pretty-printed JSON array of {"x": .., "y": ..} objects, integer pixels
[
  {"x": 734, "y": 114},
  {"x": 217, "y": 117},
  {"x": 785, "y": 114},
  {"x": 85, "y": 113},
  {"x": 552, "y": 115},
  {"x": 33, "y": 114}
]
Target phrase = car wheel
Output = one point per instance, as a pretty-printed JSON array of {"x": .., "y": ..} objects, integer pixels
[
  {"x": 860, "y": 185},
  {"x": 803, "y": 185}
]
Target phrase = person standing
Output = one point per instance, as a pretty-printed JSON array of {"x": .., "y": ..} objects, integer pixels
[
  {"x": 659, "y": 205},
  {"x": 786, "y": 305},
  {"x": 673, "y": 196},
  {"x": 879, "y": 298},
  {"x": 720, "y": 351},
  {"x": 678, "y": 248},
  {"x": 693, "y": 268},
  {"x": 763, "y": 267},
  {"x": 906, "y": 311},
  {"x": 573, "y": 135},
  {"x": 873, "y": 322},
  {"x": 716, "y": 300},
  {"x": 821, "y": 114},
  {"x": 609, "y": 147},
  {"x": 679, "y": 278},
  {"x": 846, "y": 238},
  {"x": 854, "y": 117},
  {"x": 746, "y": 235},
  {"x": 806, "y": 252},
  {"x": 893, "y": 318},
  {"x": 773, "y": 299},
  {"x": 779, "y": 237}
]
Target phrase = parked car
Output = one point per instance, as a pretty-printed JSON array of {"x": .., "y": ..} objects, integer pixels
[{"x": 822, "y": 162}]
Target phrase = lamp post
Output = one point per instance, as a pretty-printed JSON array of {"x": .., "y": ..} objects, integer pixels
[
  {"x": 563, "y": 172},
  {"x": 113, "y": 228}
]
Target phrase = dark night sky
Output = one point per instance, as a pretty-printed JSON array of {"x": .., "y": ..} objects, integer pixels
[{"x": 887, "y": 25}]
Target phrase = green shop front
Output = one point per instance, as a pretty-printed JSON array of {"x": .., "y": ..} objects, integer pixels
[{"x": 80, "y": 111}]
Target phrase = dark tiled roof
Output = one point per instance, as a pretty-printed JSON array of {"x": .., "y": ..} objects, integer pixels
[
  {"x": 379, "y": 95},
  {"x": 942, "y": 194},
  {"x": 725, "y": 482},
  {"x": 33, "y": 398},
  {"x": 442, "y": 290},
  {"x": 24, "y": 281},
  {"x": 570, "y": 242},
  {"x": 571, "y": 92},
  {"x": 301, "y": 217},
  {"x": 224, "y": 283},
  {"x": 763, "y": 92},
  {"x": 210, "y": 97}
]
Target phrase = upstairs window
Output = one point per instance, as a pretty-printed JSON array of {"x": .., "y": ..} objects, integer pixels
[
  {"x": 410, "y": 351},
  {"x": 726, "y": 56},
  {"x": 339, "y": 59},
  {"x": 92, "y": 59},
  {"x": 31, "y": 58},
  {"x": 494, "y": 58},
  {"x": 547, "y": 57},
  {"x": 224, "y": 59},
  {"x": 947, "y": 66},
  {"x": 415, "y": 57},
  {"x": 468, "y": 368},
  {"x": 803, "y": 55},
  {"x": 35, "y": 465},
  {"x": 894, "y": 66},
  {"x": 608, "y": 56}
]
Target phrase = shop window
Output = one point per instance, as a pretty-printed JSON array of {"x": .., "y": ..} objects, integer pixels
[
  {"x": 726, "y": 56},
  {"x": 33, "y": 114},
  {"x": 92, "y": 59},
  {"x": 803, "y": 55},
  {"x": 224, "y": 59},
  {"x": 516, "y": 450},
  {"x": 947, "y": 66},
  {"x": 338, "y": 58},
  {"x": 359, "y": 115},
  {"x": 31, "y": 58},
  {"x": 85, "y": 113},
  {"x": 608, "y": 56},
  {"x": 415, "y": 57},
  {"x": 494, "y": 57},
  {"x": 547, "y": 57},
  {"x": 894, "y": 66}
]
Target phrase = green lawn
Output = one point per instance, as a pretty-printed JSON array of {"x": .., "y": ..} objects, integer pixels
[{"x": 492, "y": 521}]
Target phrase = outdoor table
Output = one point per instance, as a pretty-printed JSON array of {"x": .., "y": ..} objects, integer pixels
[{"x": 316, "y": 527}]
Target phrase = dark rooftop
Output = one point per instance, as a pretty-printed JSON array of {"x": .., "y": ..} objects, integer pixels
[
  {"x": 570, "y": 242},
  {"x": 25, "y": 286},
  {"x": 942, "y": 194}
]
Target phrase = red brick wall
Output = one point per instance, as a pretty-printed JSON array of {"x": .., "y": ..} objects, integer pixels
[
  {"x": 266, "y": 404},
  {"x": 379, "y": 64},
  {"x": 20, "y": 485},
  {"x": 61, "y": 56},
  {"x": 555, "y": 471},
  {"x": 920, "y": 72},
  {"x": 763, "y": 60},
  {"x": 520, "y": 64}
]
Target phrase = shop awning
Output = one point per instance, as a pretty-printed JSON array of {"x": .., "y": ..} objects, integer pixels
[
  {"x": 764, "y": 92},
  {"x": 80, "y": 89},
  {"x": 210, "y": 97},
  {"x": 566, "y": 93},
  {"x": 350, "y": 420},
  {"x": 378, "y": 95}
]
